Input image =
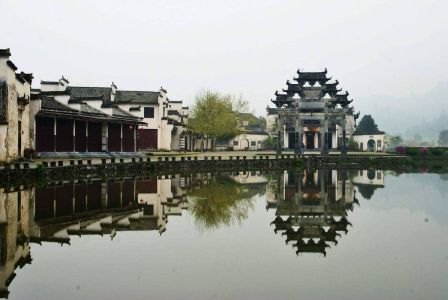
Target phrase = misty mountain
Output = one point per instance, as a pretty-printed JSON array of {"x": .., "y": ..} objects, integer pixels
[{"x": 423, "y": 114}]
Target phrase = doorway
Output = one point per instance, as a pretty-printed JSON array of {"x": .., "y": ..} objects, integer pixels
[
  {"x": 371, "y": 145},
  {"x": 310, "y": 140}
]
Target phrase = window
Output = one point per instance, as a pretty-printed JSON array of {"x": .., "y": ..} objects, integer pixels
[
  {"x": 253, "y": 143},
  {"x": 378, "y": 144},
  {"x": 148, "y": 112},
  {"x": 235, "y": 143}
]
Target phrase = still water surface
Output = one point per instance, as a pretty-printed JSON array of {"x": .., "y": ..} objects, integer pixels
[{"x": 286, "y": 235}]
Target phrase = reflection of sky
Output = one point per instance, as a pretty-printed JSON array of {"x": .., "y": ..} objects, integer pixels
[
  {"x": 416, "y": 192},
  {"x": 389, "y": 253}
]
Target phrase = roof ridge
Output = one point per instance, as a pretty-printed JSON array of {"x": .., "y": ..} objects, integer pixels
[{"x": 137, "y": 91}]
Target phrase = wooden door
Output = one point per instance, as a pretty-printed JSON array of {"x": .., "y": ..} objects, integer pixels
[
  {"x": 94, "y": 137},
  {"x": 128, "y": 138},
  {"x": 64, "y": 135},
  {"x": 147, "y": 139},
  {"x": 80, "y": 136},
  {"x": 44, "y": 134},
  {"x": 114, "y": 137}
]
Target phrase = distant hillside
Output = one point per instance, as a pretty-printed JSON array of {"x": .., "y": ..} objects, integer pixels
[{"x": 425, "y": 114}]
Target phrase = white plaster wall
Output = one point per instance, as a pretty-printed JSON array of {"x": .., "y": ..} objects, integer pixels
[
  {"x": 350, "y": 125},
  {"x": 271, "y": 126},
  {"x": 257, "y": 138},
  {"x": 165, "y": 135},
  {"x": 35, "y": 106},
  {"x": 364, "y": 139},
  {"x": 175, "y": 106},
  {"x": 52, "y": 87},
  {"x": 175, "y": 139},
  {"x": 9, "y": 133}
]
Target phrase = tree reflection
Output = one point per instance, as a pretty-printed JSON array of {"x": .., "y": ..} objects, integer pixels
[{"x": 222, "y": 202}]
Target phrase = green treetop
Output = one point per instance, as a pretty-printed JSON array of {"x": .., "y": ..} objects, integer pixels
[{"x": 367, "y": 125}]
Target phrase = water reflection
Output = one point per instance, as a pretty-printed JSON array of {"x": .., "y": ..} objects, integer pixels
[
  {"x": 310, "y": 208},
  {"x": 225, "y": 200}
]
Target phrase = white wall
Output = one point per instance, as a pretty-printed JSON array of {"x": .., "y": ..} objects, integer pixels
[
  {"x": 249, "y": 137},
  {"x": 9, "y": 133},
  {"x": 364, "y": 139}
]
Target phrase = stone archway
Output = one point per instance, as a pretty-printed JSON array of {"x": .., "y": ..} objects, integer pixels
[
  {"x": 244, "y": 144},
  {"x": 371, "y": 146}
]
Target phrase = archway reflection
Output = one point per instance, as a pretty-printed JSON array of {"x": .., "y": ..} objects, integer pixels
[{"x": 310, "y": 208}]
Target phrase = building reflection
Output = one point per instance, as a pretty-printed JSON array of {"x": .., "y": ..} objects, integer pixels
[{"x": 310, "y": 208}]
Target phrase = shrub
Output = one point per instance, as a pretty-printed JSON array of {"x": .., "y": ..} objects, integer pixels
[
  {"x": 400, "y": 150},
  {"x": 436, "y": 151},
  {"x": 352, "y": 145},
  {"x": 412, "y": 150},
  {"x": 424, "y": 150}
]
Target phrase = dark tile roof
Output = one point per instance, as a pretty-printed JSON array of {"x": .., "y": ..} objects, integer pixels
[
  {"x": 49, "y": 82},
  {"x": 20, "y": 78},
  {"x": 27, "y": 76},
  {"x": 135, "y": 108},
  {"x": 89, "y": 93},
  {"x": 121, "y": 113},
  {"x": 11, "y": 65},
  {"x": 51, "y": 104},
  {"x": 54, "y": 93},
  {"x": 174, "y": 113},
  {"x": 272, "y": 111},
  {"x": 85, "y": 108},
  {"x": 140, "y": 97},
  {"x": 55, "y": 108},
  {"x": 5, "y": 52}
]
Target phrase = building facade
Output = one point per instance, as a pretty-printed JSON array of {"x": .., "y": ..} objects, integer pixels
[
  {"x": 15, "y": 89},
  {"x": 68, "y": 118},
  {"x": 251, "y": 137},
  {"x": 374, "y": 142},
  {"x": 311, "y": 113}
]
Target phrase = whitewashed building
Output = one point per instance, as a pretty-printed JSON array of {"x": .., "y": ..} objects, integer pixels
[
  {"x": 370, "y": 142},
  {"x": 130, "y": 120},
  {"x": 15, "y": 91},
  {"x": 252, "y": 135}
]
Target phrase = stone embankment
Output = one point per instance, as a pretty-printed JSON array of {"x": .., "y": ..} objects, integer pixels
[{"x": 59, "y": 169}]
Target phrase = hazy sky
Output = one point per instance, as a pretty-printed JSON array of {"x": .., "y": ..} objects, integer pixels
[{"x": 246, "y": 47}]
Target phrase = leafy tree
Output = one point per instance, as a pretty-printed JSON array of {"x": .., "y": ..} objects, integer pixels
[
  {"x": 221, "y": 202},
  {"x": 214, "y": 116},
  {"x": 443, "y": 138},
  {"x": 352, "y": 144},
  {"x": 270, "y": 143},
  {"x": 393, "y": 141},
  {"x": 367, "y": 125}
]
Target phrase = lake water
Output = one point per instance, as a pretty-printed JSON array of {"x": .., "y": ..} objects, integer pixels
[{"x": 284, "y": 235}]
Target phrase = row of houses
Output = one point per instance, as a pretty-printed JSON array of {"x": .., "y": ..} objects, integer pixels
[{"x": 60, "y": 117}]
